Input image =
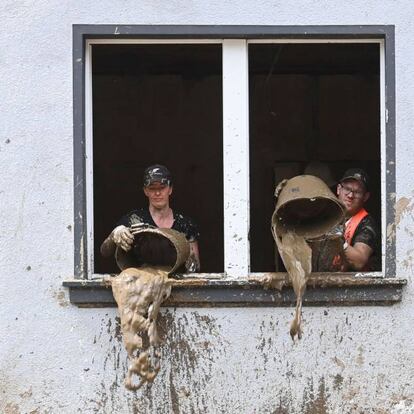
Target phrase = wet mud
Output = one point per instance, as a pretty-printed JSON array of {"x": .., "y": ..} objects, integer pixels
[
  {"x": 306, "y": 209},
  {"x": 139, "y": 290},
  {"x": 139, "y": 293},
  {"x": 297, "y": 258}
]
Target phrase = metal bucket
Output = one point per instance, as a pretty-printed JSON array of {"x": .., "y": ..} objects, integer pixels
[
  {"x": 308, "y": 207},
  {"x": 157, "y": 247}
]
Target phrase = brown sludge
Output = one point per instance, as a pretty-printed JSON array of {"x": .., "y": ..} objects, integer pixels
[
  {"x": 139, "y": 293},
  {"x": 297, "y": 258},
  {"x": 306, "y": 209},
  {"x": 324, "y": 251}
]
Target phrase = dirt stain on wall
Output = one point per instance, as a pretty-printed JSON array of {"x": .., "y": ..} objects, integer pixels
[
  {"x": 316, "y": 403},
  {"x": 402, "y": 207},
  {"x": 11, "y": 408},
  {"x": 61, "y": 298}
]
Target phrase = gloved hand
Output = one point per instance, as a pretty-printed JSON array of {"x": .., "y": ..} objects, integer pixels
[
  {"x": 336, "y": 232},
  {"x": 123, "y": 238},
  {"x": 280, "y": 187},
  {"x": 191, "y": 264},
  {"x": 136, "y": 227}
]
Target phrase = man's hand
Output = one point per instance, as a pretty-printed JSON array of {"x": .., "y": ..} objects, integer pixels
[
  {"x": 122, "y": 237},
  {"x": 358, "y": 255},
  {"x": 135, "y": 228},
  {"x": 191, "y": 264},
  {"x": 280, "y": 187}
]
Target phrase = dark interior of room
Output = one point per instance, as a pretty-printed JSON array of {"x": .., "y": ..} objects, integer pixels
[
  {"x": 309, "y": 102},
  {"x": 159, "y": 104},
  {"x": 163, "y": 104}
]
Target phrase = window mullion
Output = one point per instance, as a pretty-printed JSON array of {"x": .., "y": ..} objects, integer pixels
[{"x": 236, "y": 158}]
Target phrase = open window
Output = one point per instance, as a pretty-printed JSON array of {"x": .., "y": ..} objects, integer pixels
[
  {"x": 230, "y": 119},
  {"x": 230, "y": 110},
  {"x": 158, "y": 104},
  {"x": 311, "y": 102}
]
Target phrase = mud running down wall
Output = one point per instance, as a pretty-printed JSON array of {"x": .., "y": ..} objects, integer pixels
[
  {"x": 139, "y": 291},
  {"x": 139, "y": 294}
]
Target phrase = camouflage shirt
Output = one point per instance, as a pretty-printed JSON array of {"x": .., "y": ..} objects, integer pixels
[
  {"x": 325, "y": 251},
  {"x": 367, "y": 233}
]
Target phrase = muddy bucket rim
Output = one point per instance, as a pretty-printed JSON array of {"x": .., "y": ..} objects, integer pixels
[
  {"x": 302, "y": 199},
  {"x": 181, "y": 256}
]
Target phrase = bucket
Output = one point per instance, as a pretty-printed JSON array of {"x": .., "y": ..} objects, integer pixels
[
  {"x": 157, "y": 247},
  {"x": 308, "y": 207}
]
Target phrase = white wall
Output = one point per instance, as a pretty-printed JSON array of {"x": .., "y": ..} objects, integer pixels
[{"x": 56, "y": 358}]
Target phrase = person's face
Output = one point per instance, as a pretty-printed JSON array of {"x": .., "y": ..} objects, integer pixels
[
  {"x": 158, "y": 194},
  {"x": 353, "y": 195}
]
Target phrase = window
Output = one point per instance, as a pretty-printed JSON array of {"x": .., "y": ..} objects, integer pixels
[
  {"x": 311, "y": 101},
  {"x": 228, "y": 107},
  {"x": 157, "y": 103}
]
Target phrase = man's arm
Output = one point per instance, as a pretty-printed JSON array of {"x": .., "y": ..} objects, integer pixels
[
  {"x": 196, "y": 253},
  {"x": 364, "y": 242},
  {"x": 357, "y": 256},
  {"x": 108, "y": 247},
  {"x": 120, "y": 236},
  {"x": 192, "y": 264}
]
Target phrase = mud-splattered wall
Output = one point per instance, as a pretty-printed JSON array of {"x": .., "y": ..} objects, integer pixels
[{"x": 56, "y": 358}]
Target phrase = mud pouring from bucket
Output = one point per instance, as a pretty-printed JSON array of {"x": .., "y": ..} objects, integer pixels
[
  {"x": 140, "y": 289},
  {"x": 305, "y": 209}
]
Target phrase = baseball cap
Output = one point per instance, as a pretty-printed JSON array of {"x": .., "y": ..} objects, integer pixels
[
  {"x": 356, "y": 174},
  {"x": 157, "y": 174}
]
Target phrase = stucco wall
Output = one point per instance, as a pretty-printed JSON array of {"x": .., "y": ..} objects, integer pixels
[{"x": 56, "y": 358}]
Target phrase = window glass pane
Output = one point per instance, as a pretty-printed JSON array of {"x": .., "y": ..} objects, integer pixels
[{"x": 158, "y": 104}]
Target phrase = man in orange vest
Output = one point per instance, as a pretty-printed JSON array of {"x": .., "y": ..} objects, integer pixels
[{"x": 361, "y": 235}]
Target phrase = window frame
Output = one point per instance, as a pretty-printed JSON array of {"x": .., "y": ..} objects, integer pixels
[{"x": 232, "y": 37}]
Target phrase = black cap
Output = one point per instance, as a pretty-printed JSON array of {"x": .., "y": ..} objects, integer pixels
[
  {"x": 356, "y": 174},
  {"x": 157, "y": 174}
]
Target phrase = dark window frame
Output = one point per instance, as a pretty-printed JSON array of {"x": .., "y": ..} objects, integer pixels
[{"x": 82, "y": 33}]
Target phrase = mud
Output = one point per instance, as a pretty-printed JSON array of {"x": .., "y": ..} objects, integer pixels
[
  {"x": 325, "y": 250},
  {"x": 139, "y": 294},
  {"x": 155, "y": 247},
  {"x": 297, "y": 258},
  {"x": 139, "y": 291},
  {"x": 305, "y": 209},
  {"x": 271, "y": 281}
]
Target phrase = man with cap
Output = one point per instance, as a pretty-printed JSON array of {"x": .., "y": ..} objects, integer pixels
[
  {"x": 158, "y": 188},
  {"x": 361, "y": 235}
]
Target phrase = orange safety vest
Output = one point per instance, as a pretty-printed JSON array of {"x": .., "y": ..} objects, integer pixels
[
  {"x": 350, "y": 229},
  {"x": 353, "y": 223}
]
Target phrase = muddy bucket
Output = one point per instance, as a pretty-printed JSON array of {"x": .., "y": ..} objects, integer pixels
[
  {"x": 308, "y": 207},
  {"x": 156, "y": 247}
]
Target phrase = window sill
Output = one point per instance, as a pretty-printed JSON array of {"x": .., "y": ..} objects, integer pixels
[{"x": 324, "y": 289}]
